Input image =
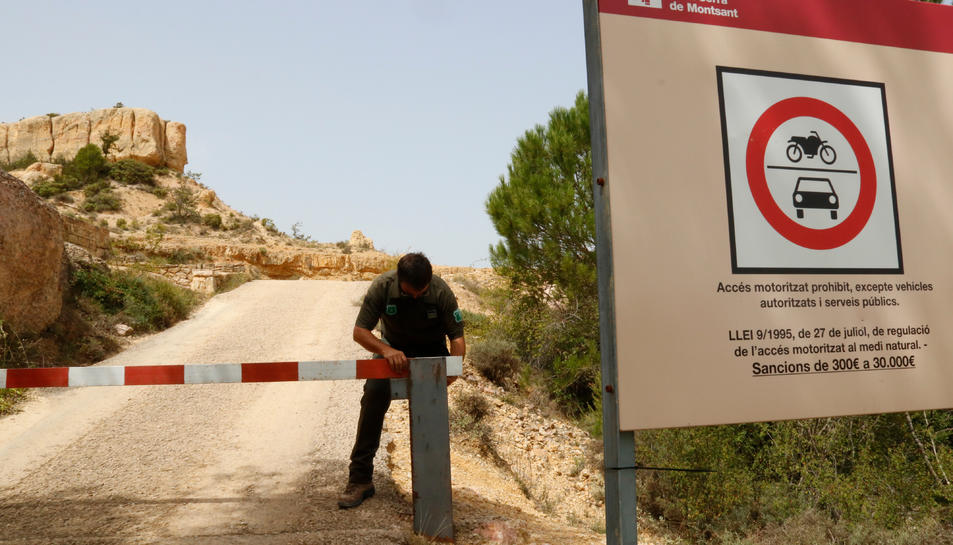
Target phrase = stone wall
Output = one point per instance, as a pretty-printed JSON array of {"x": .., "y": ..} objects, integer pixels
[
  {"x": 93, "y": 238},
  {"x": 141, "y": 134},
  {"x": 203, "y": 277}
]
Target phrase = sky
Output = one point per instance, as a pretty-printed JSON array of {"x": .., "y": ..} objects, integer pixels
[{"x": 395, "y": 117}]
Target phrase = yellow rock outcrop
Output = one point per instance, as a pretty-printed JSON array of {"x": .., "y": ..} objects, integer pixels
[{"x": 140, "y": 133}]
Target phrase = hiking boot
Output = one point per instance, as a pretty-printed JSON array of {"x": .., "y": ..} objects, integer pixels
[{"x": 355, "y": 494}]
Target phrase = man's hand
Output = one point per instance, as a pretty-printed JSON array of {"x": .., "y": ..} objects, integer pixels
[{"x": 396, "y": 360}]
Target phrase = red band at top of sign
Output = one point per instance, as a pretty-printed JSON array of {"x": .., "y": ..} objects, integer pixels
[
  {"x": 909, "y": 24},
  {"x": 767, "y": 124}
]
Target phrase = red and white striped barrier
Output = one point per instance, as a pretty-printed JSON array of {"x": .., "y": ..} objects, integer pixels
[{"x": 215, "y": 373}]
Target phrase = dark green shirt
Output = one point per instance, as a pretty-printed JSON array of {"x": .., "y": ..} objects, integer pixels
[{"x": 407, "y": 322}]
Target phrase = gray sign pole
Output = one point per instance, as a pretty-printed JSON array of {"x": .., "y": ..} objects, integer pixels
[{"x": 619, "y": 446}]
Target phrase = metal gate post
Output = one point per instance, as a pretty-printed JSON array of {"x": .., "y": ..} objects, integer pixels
[
  {"x": 430, "y": 449},
  {"x": 621, "y": 520}
]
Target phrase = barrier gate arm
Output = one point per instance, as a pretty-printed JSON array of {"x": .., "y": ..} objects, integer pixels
[
  {"x": 425, "y": 384},
  {"x": 212, "y": 373}
]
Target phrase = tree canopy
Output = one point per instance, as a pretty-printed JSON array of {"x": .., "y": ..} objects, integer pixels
[{"x": 543, "y": 210}]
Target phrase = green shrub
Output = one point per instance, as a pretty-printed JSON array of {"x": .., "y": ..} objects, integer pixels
[
  {"x": 21, "y": 163},
  {"x": 13, "y": 352},
  {"x": 182, "y": 207},
  {"x": 127, "y": 245},
  {"x": 558, "y": 336},
  {"x": 575, "y": 379},
  {"x": 132, "y": 172},
  {"x": 57, "y": 186},
  {"x": 107, "y": 139},
  {"x": 9, "y": 397},
  {"x": 101, "y": 198},
  {"x": 476, "y": 324},
  {"x": 155, "y": 234},
  {"x": 496, "y": 360},
  {"x": 147, "y": 303},
  {"x": 298, "y": 234},
  {"x": 233, "y": 281},
  {"x": 160, "y": 192},
  {"x": 467, "y": 420},
  {"x": 88, "y": 167},
  {"x": 474, "y": 405},
  {"x": 183, "y": 255},
  {"x": 269, "y": 226},
  {"x": 854, "y": 472},
  {"x": 121, "y": 224},
  {"x": 212, "y": 220}
]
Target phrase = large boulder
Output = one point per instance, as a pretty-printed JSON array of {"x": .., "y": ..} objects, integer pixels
[
  {"x": 70, "y": 134},
  {"x": 38, "y": 172},
  {"x": 175, "y": 154},
  {"x": 32, "y": 272},
  {"x": 140, "y": 133},
  {"x": 31, "y": 135},
  {"x": 118, "y": 122},
  {"x": 148, "y": 138},
  {"x": 360, "y": 242}
]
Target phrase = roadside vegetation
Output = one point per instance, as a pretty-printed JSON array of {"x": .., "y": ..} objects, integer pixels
[
  {"x": 98, "y": 300},
  {"x": 879, "y": 479}
]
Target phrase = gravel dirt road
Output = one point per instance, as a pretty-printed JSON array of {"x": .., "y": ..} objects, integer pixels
[{"x": 257, "y": 464}]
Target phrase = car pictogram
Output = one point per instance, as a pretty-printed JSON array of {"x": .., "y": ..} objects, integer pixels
[{"x": 816, "y": 193}]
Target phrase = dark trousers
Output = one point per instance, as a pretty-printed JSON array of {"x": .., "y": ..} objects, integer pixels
[{"x": 374, "y": 405}]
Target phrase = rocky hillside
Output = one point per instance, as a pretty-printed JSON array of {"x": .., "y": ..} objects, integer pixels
[
  {"x": 175, "y": 220},
  {"x": 136, "y": 133},
  {"x": 115, "y": 177},
  {"x": 141, "y": 209}
]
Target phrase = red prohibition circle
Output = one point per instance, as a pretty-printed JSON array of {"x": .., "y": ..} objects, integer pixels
[{"x": 815, "y": 239}]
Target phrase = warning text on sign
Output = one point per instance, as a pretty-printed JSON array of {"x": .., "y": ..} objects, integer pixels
[{"x": 827, "y": 295}]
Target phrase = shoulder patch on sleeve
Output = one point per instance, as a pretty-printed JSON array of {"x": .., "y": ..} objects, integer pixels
[{"x": 458, "y": 316}]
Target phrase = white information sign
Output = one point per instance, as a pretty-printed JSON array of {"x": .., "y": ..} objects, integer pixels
[
  {"x": 779, "y": 177},
  {"x": 810, "y": 175}
]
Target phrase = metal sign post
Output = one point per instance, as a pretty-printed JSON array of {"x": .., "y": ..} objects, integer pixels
[{"x": 619, "y": 447}]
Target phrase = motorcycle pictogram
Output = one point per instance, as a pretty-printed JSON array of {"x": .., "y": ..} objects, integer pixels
[{"x": 810, "y": 145}]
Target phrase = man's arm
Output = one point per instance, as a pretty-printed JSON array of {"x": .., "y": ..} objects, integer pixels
[
  {"x": 458, "y": 347},
  {"x": 395, "y": 358}
]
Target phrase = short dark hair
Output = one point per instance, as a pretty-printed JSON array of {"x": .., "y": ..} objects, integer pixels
[{"x": 415, "y": 269}]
